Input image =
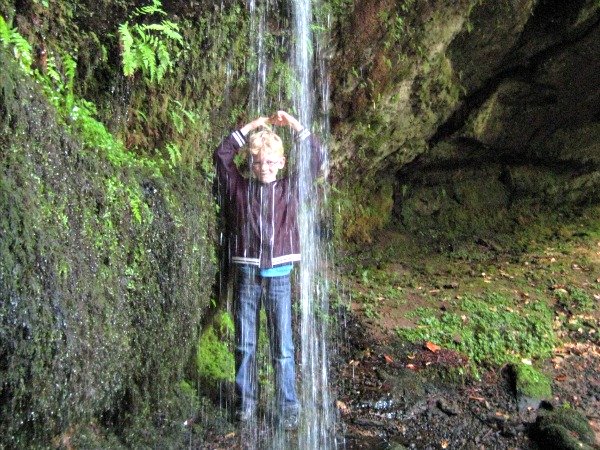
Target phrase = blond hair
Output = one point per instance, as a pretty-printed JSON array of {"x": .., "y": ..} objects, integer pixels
[{"x": 265, "y": 141}]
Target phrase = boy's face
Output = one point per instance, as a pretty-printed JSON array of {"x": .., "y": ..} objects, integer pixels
[{"x": 265, "y": 165}]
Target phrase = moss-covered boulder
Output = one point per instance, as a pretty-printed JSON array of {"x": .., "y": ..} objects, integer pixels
[
  {"x": 531, "y": 386},
  {"x": 563, "y": 428}
]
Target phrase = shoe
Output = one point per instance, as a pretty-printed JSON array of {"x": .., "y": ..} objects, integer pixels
[{"x": 290, "y": 420}]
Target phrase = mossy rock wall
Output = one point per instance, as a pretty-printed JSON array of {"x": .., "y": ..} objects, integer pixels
[{"x": 100, "y": 306}]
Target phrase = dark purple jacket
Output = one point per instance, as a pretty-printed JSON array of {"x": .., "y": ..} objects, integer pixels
[{"x": 262, "y": 218}]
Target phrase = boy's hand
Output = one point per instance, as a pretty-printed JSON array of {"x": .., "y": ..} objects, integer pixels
[
  {"x": 256, "y": 123},
  {"x": 281, "y": 119}
]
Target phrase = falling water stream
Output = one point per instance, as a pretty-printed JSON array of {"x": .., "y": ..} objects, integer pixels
[
  {"x": 309, "y": 105},
  {"x": 316, "y": 431}
]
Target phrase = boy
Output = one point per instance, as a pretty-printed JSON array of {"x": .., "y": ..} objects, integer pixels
[{"x": 263, "y": 243}]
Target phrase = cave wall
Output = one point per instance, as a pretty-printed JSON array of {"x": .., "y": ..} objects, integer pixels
[{"x": 477, "y": 112}]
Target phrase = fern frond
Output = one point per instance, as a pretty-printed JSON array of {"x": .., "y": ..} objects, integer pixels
[
  {"x": 148, "y": 58},
  {"x": 174, "y": 154},
  {"x": 141, "y": 33},
  {"x": 154, "y": 8},
  {"x": 52, "y": 71},
  {"x": 171, "y": 30},
  {"x": 145, "y": 46},
  {"x": 164, "y": 62},
  {"x": 70, "y": 70},
  {"x": 5, "y": 32},
  {"x": 127, "y": 42},
  {"x": 125, "y": 36}
]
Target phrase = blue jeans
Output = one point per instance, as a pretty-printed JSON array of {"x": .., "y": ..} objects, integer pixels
[{"x": 278, "y": 306}]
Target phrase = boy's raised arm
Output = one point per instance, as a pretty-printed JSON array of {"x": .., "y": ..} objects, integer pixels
[
  {"x": 282, "y": 118},
  {"x": 227, "y": 171},
  {"x": 258, "y": 122}
]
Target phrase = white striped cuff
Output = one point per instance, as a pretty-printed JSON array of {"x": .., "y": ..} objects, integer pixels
[
  {"x": 303, "y": 134},
  {"x": 239, "y": 138}
]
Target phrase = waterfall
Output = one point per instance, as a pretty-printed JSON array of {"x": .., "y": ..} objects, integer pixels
[
  {"x": 309, "y": 103},
  {"x": 317, "y": 424},
  {"x": 259, "y": 76}
]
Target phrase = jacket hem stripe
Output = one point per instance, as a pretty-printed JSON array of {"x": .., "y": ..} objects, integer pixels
[
  {"x": 286, "y": 258},
  {"x": 275, "y": 261}
]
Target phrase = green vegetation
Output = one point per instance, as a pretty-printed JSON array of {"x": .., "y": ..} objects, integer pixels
[
  {"x": 531, "y": 383},
  {"x": 360, "y": 211},
  {"x": 491, "y": 330},
  {"x": 374, "y": 286},
  {"x": 214, "y": 359},
  {"x": 564, "y": 428},
  {"x": 107, "y": 256},
  {"x": 145, "y": 47},
  {"x": 575, "y": 300}
]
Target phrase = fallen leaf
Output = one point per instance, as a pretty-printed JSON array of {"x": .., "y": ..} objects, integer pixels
[
  {"x": 432, "y": 347},
  {"x": 342, "y": 407},
  {"x": 388, "y": 359},
  {"x": 479, "y": 399},
  {"x": 411, "y": 366},
  {"x": 445, "y": 443},
  {"x": 560, "y": 378}
]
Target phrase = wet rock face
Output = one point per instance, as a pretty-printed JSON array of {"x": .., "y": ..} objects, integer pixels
[
  {"x": 98, "y": 307},
  {"x": 496, "y": 102}
]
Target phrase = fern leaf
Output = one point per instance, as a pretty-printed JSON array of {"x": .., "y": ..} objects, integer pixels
[
  {"x": 154, "y": 26},
  {"x": 149, "y": 60},
  {"x": 171, "y": 30},
  {"x": 127, "y": 56},
  {"x": 52, "y": 70},
  {"x": 5, "y": 32},
  {"x": 154, "y": 8},
  {"x": 70, "y": 69}
]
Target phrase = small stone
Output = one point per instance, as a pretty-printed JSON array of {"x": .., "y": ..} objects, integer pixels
[{"x": 447, "y": 407}]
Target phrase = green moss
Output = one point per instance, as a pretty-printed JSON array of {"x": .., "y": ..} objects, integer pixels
[
  {"x": 531, "y": 383},
  {"x": 492, "y": 329},
  {"x": 360, "y": 210},
  {"x": 214, "y": 359},
  {"x": 576, "y": 300},
  {"x": 107, "y": 268},
  {"x": 564, "y": 428}
]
